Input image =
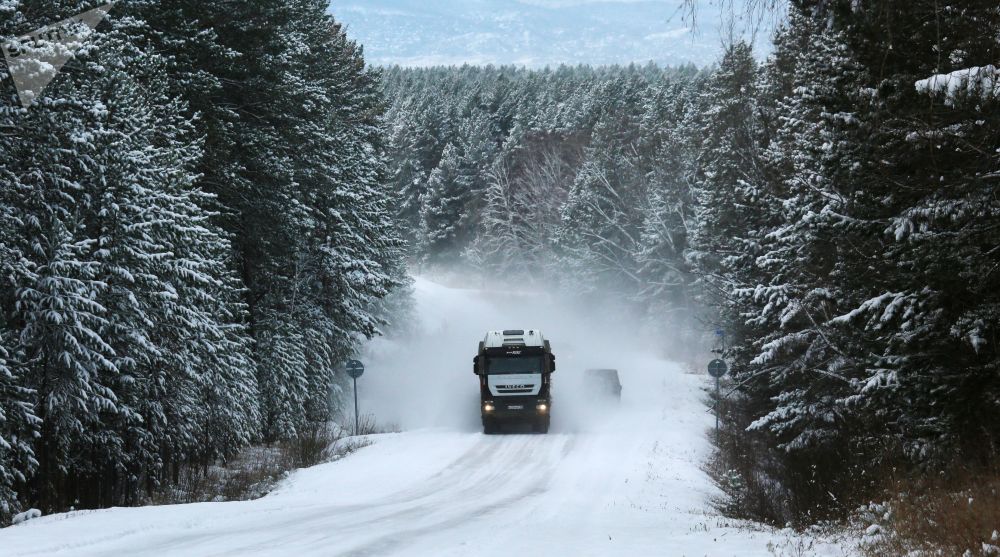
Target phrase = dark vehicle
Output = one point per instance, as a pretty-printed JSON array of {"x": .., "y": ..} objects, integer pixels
[
  {"x": 514, "y": 369},
  {"x": 604, "y": 384}
]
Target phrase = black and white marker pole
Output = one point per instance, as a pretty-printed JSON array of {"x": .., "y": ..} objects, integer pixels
[{"x": 355, "y": 369}]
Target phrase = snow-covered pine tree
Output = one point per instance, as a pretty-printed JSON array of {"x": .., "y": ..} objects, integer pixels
[
  {"x": 814, "y": 157},
  {"x": 495, "y": 248},
  {"x": 480, "y": 145},
  {"x": 728, "y": 155},
  {"x": 120, "y": 291},
  {"x": 184, "y": 385},
  {"x": 861, "y": 296},
  {"x": 294, "y": 157},
  {"x": 932, "y": 162},
  {"x": 361, "y": 250},
  {"x": 522, "y": 203},
  {"x": 603, "y": 215},
  {"x": 408, "y": 174},
  {"x": 802, "y": 373},
  {"x": 52, "y": 170},
  {"x": 18, "y": 424},
  {"x": 664, "y": 242},
  {"x": 445, "y": 222}
]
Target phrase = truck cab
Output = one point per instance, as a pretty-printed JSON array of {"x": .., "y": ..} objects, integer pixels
[{"x": 515, "y": 368}]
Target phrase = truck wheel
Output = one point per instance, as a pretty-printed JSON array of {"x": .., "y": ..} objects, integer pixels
[
  {"x": 489, "y": 427},
  {"x": 542, "y": 425}
]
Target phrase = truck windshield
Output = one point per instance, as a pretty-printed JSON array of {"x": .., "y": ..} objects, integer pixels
[{"x": 518, "y": 364}]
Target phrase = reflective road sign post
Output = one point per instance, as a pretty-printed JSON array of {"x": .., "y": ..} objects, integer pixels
[
  {"x": 355, "y": 369},
  {"x": 717, "y": 368}
]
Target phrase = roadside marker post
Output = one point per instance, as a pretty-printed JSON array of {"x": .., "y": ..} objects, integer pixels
[
  {"x": 717, "y": 368},
  {"x": 355, "y": 369}
]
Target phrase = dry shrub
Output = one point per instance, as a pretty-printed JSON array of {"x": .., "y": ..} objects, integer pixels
[
  {"x": 249, "y": 475},
  {"x": 951, "y": 513},
  {"x": 368, "y": 425},
  {"x": 765, "y": 483},
  {"x": 745, "y": 470},
  {"x": 346, "y": 446},
  {"x": 312, "y": 445},
  {"x": 252, "y": 474},
  {"x": 256, "y": 470}
]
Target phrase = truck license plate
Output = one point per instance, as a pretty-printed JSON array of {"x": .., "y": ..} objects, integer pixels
[{"x": 515, "y": 407}]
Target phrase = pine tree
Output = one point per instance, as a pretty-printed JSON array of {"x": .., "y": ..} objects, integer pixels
[
  {"x": 665, "y": 269},
  {"x": 725, "y": 203},
  {"x": 815, "y": 154},
  {"x": 922, "y": 313},
  {"x": 446, "y": 222},
  {"x": 18, "y": 425},
  {"x": 53, "y": 295},
  {"x": 293, "y": 156},
  {"x": 121, "y": 281},
  {"x": 496, "y": 247},
  {"x": 602, "y": 219}
]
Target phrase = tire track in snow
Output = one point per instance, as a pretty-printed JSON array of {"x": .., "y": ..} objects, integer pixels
[
  {"x": 516, "y": 467},
  {"x": 528, "y": 468}
]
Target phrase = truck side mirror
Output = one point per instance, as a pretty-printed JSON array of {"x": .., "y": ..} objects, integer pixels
[
  {"x": 475, "y": 365},
  {"x": 552, "y": 362}
]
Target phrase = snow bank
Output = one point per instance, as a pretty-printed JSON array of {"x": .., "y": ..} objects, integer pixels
[{"x": 26, "y": 516}]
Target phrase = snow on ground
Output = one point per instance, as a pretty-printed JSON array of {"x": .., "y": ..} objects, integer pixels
[{"x": 605, "y": 481}]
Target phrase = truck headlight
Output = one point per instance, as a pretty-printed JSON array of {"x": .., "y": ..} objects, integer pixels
[
  {"x": 487, "y": 407},
  {"x": 542, "y": 407}
]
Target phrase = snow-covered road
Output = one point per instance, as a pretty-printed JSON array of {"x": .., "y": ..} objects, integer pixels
[{"x": 620, "y": 481}]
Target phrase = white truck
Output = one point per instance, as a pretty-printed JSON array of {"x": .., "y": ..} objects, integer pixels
[{"x": 514, "y": 368}]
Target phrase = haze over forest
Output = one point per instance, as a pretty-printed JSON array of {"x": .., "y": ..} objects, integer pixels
[{"x": 536, "y": 33}]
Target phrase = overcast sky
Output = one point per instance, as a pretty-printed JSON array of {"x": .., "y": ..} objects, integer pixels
[{"x": 537, "y": 33}]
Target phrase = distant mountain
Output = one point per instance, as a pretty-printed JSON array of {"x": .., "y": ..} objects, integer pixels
[{"x": 537, "y": 33}]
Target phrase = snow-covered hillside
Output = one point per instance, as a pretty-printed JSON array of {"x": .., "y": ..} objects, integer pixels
[
  {"x": 536, "y": 33},
  {"x": 625, "y": 481}
]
